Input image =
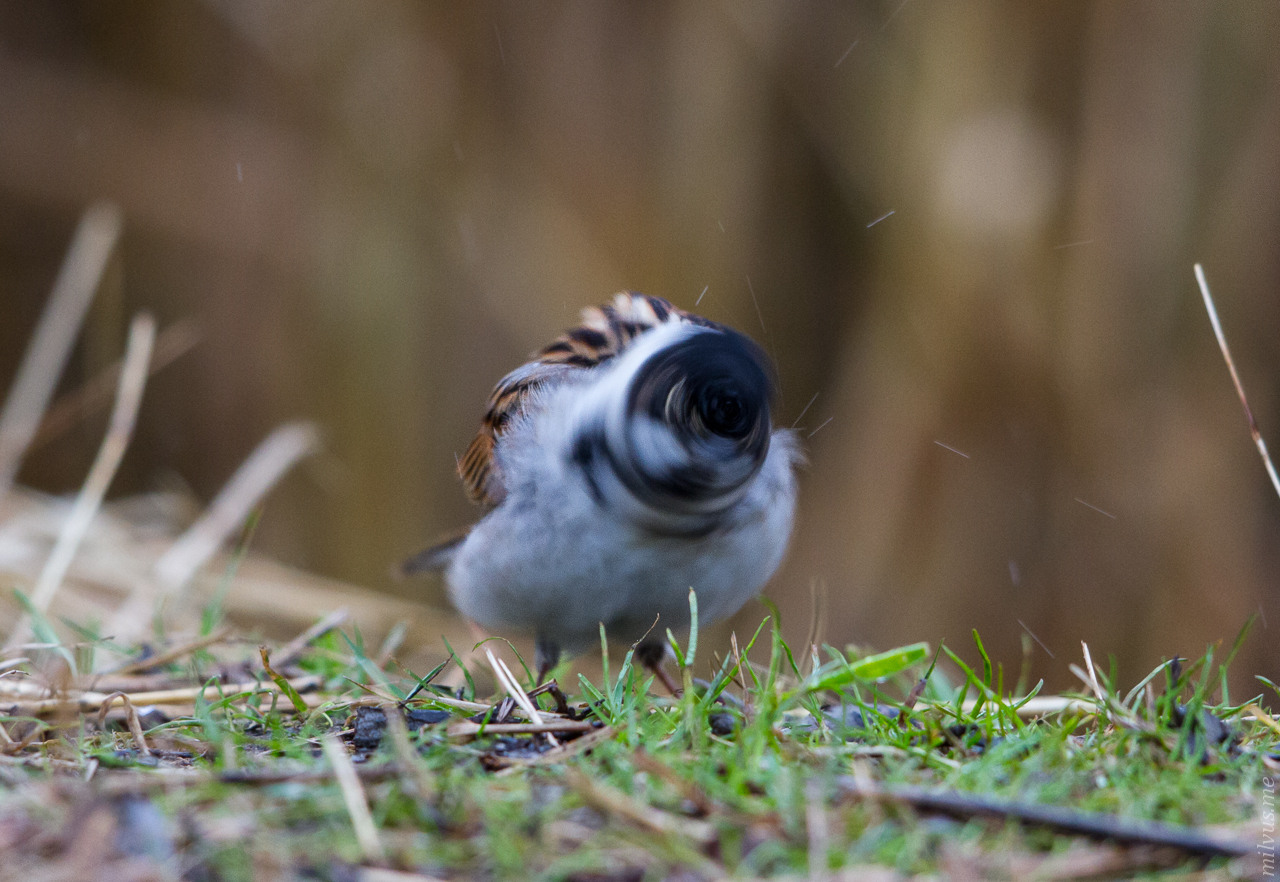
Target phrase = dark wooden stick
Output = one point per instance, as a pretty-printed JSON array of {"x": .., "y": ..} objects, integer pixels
[{"x": 1095, "y": 825}]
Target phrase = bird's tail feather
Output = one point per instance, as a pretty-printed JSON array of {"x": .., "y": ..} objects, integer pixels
[{"x": 434, "y": 557}]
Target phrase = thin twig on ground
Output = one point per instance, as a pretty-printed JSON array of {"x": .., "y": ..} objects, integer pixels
[
  {"x": 465, "y": 729},
  {"x": 616, "y": 802},
  {"x": 1095, "y": 825},
  {"x": 171, "y": 654},
  {"x": 647, "y": 762},
  {"x": 293, "y": 650},
  {"x": 88, "y": 702}
]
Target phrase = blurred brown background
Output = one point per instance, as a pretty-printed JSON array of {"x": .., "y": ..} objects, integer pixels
[{"x": 967, "y": 229}]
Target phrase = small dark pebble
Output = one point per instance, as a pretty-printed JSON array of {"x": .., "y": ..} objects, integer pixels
[
  {"x": 128, "y": 756},
  {"x": 722, "y": 723},
  {"x": 509, "y": 747},
  {"x": 850, "y": 716},
  {"x": 846, "y": 720},
  {"x": 371, "y": 722},
  {"x": 1215, "y": 730},
  {"x": 519, "y": 746},
  {"x": 967, "y": 735},
  {"x": 369, "y": 726},
  {"x": 1206, "y": 732},
  {"x": 418, "y": 717}
]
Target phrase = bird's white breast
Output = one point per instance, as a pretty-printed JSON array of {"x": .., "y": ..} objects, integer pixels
[{"x": 558, "y": 556}]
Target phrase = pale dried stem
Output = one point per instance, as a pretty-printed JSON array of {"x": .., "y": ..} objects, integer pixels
[
  {"x": 467, "y": 729},
  {"x": 508, "y": 682},
  {"x": 1043, "y": 705},
  {"x": 292, "y": 651},
  {"x": 414, "y": 776},
  {"x": 1092, "y": 679},
  {"x": 171, "y": 654},
  {"x": 382, "y": 874},
  {"x": 82, "y": 270},
  {"x": 131, "y": 717},
  {"x": 616, "y": 802},
  {"x": 171, "y": 344},
  {"x": 281, "y": 450},
  {"x": 818, "y": 828},
  {"x": 460, "y": 704},
  {"x": 373, "y": 698},
  {"x": 354, "y": 797},
  {"x": 1254, "y": 431},
  {"x": 739, "y": 676},
  {"x": 10, "y": 748},
  {"x": 648, "y": 763},
  {"x": 119, "y": 432},
  {"x": 89, "y": 702},
  {"x": 229, "y": 509}
]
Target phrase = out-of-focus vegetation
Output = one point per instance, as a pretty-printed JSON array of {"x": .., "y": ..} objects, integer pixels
[{"x": 967, "y": 229}]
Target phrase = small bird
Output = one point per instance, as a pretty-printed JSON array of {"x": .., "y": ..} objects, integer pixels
[{"x": 631, "y": 460}]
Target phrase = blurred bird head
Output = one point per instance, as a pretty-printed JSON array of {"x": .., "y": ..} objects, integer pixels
[{"x": 673, "y": 430}]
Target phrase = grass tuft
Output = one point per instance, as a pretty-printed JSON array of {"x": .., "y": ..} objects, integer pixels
[{"x": 908, "y": 760}]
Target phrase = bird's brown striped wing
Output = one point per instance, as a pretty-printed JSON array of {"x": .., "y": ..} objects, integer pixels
[{"x": 605, "y": 331}]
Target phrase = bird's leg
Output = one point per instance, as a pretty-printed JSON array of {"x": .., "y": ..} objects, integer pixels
[
  {"x": 651, "y": 654},
  {"x": 546, "y": 655}
]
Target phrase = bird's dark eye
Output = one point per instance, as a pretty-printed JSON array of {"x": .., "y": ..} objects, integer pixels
[{"x": 722, "y": 410}]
